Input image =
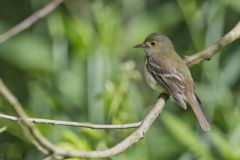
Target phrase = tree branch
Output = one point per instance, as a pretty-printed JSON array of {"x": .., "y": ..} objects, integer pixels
[
  {"x": 209, "y": 52},
  {"x": 50, "y": 149},
  {"x": 42, "y": 142},
  {"x": 126, "y": 143},
  {"x": 30, "y": 130},
  {"x": 73, "y": 124},
  {"x": 28, "y": 22}
]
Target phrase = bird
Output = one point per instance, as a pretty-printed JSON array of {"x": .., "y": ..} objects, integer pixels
[{"x": 166, "y": 71}]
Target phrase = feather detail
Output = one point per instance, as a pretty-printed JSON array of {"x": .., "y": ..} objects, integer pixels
[
  {"x": 196, "y": 107},
  {"x": 169, "y": 79}
]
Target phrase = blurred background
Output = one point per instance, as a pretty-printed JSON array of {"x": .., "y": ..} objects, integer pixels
[{"x": 78, "y": 64}]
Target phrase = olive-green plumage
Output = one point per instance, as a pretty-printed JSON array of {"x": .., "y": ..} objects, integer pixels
[{"x": 165, "y": 69}]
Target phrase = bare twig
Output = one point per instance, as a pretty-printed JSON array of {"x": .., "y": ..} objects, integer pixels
[
  {"x": 73, "y": 124},
  {"x": 28, "y": 22},
  {"x": 30, "y": 130},
  {"x": 207, "y": 53},
  {"x": 48, "y": 148},
  {"x": 42, "y": 142},
  {"x": 126, "y": 143}
]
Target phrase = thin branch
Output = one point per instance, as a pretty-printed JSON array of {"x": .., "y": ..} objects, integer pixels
[
  {"x": 136, "y": 135},
  {"x": 28, "y": 22},
  {"x": 73, "y": 124},
  {"x": 51, "y": 148},
  {"x": 209, "y": 52},
  {"x": 127, "y": 142},
  {"x": 30, "y": 130}
]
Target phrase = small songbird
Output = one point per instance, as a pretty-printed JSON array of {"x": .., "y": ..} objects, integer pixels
[{"x": 165, "y": 69}]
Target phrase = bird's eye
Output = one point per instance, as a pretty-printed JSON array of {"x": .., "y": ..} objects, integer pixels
[{"x": 152, "y": 43}]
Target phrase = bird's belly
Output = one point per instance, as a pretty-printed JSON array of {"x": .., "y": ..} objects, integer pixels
[{"x": 152, "y": 82}]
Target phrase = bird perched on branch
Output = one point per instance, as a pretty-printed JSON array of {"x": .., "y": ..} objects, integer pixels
[{"x": 165, "y": 69}]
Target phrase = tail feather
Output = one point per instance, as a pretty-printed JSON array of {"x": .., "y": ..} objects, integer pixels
[{"x": 196, "y": 106}]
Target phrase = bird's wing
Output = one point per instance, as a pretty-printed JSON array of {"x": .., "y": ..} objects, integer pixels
[{"x": 168, "y": 77}]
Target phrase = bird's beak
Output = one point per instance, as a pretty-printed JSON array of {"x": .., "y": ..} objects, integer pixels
[{"x": 142, "y": 45}]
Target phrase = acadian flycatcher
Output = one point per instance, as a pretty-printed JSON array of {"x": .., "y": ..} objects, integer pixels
[{"x": 164, "y": 68}]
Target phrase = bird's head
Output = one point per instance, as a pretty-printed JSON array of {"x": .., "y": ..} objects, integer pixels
[{"x": 155, "y": 42}]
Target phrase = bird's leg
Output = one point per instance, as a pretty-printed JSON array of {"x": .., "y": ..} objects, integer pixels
[{"x": 164, "y": 95}]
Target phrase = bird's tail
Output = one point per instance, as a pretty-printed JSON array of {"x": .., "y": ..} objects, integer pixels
[{"x": 196, "y": 107}]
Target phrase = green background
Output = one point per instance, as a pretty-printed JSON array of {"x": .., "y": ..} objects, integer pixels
[{"x": 78, "y": 64}]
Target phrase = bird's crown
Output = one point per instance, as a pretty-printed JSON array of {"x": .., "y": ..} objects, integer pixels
[{"x": 158, "y": 37}]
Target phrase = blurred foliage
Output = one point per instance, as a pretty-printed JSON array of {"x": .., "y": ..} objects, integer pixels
[
  {"x": 2, "y": 129},
  {"x": 78, "y": 64}
]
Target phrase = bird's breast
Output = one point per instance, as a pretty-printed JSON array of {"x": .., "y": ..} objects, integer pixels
[{"x": 151, "y": 81}]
